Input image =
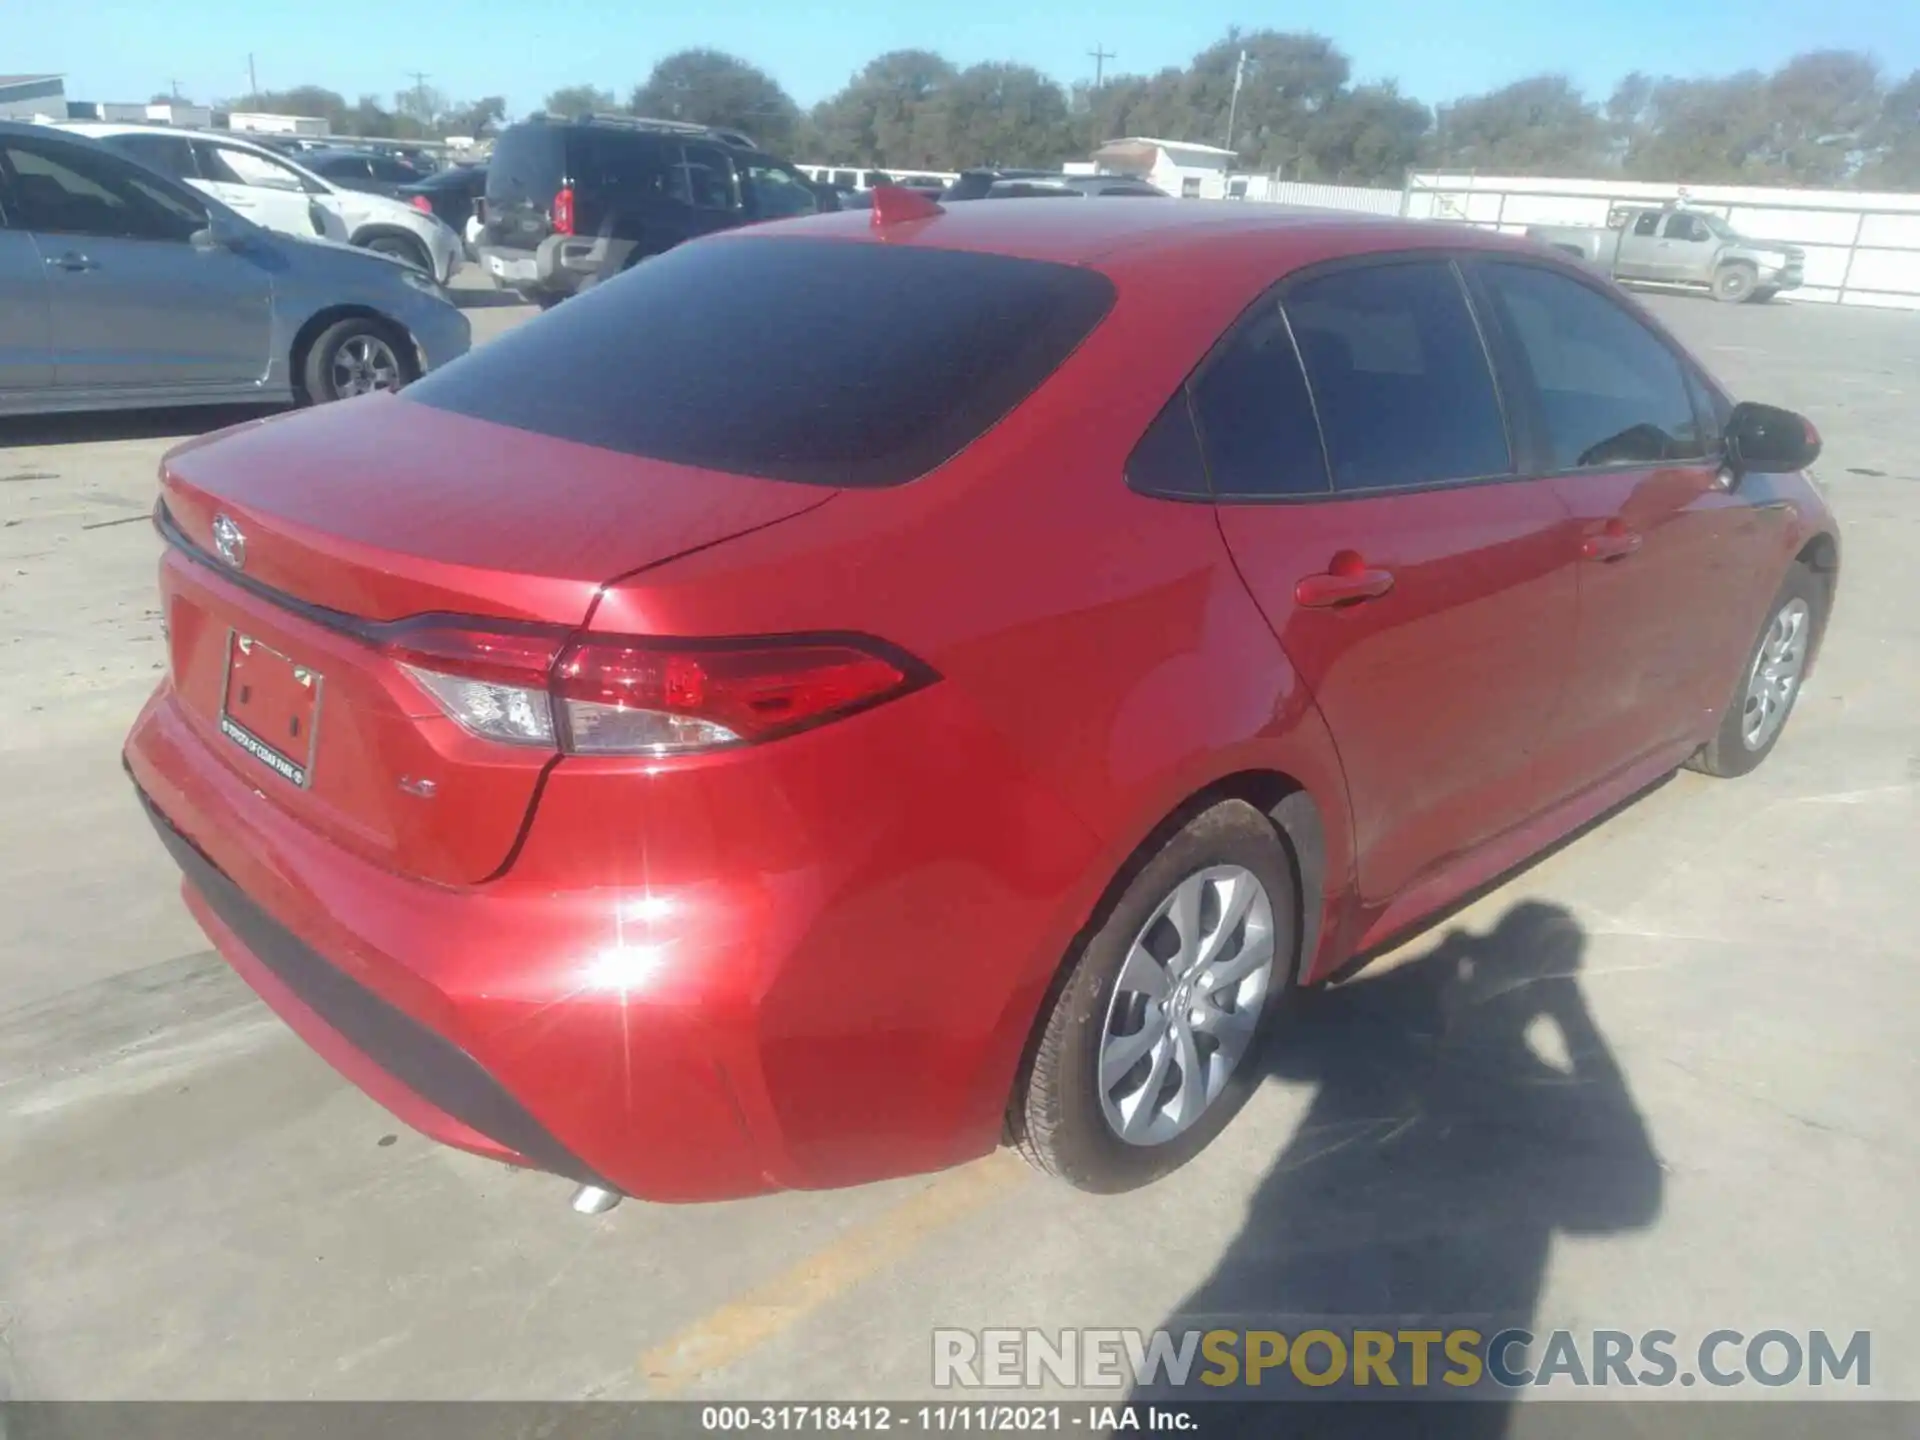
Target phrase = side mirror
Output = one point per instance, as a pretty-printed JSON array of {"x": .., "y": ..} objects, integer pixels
[
  {"x": 222, "y": 232},
  {"x": 1770, "y": 440}
]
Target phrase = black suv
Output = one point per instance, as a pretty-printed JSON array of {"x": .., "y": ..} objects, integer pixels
[{"x": 572, "y": 200}]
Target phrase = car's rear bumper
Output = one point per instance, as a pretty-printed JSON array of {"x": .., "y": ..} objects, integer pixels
[
  {"x": 560, "y": 265},
  {"x": 841, "y": 993}
]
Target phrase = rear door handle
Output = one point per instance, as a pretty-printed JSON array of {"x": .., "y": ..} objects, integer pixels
[
  {"x": 1348, "y": 580},
  {"x": 73, "y": 260},
  {"x": 1613, "y": 542}
]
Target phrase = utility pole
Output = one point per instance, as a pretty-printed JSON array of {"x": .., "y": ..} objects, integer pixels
[
  {"x": 1100, "y": 56},
  {"x": 253, "y": 85},
  {"x": 1233, "y": 105}
]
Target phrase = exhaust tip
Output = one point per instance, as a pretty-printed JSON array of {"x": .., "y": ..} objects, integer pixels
[{"x": 595, "y": 1200}]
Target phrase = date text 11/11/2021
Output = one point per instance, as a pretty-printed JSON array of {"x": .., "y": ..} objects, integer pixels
[{"x": 979, "y": 1418}]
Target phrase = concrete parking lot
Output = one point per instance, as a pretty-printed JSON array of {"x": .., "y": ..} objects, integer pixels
[{"x": 193, "y": 1206}]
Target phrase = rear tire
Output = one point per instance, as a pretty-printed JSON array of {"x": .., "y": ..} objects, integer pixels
[
  {"x": 357, "y": 356},
  {"x": 1770, "y": 681},
  {"x": 1190, "y": 927},
  {"x": 1734, "y": 284}
]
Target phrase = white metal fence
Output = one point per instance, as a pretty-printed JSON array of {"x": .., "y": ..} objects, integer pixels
[
  {"x": 1325, "y": 197},
  {"x": 1863, "y": 248}
]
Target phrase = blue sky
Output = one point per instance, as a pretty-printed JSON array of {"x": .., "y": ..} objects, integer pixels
[{"x": 128, "y": 49}]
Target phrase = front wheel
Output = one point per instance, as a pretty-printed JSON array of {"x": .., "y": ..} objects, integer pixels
[
  {"x": 1770, "y": 681},
  {"x": 411, "y": 251},
  {"x": 357, "y": 356},
  {"x": 1151, "y": 1046}
]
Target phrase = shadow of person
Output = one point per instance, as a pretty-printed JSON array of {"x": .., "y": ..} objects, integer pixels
[{"x": 1465, "y": 1111}]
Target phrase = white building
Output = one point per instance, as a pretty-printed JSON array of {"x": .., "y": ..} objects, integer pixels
[
  {"x": 256, "y": 122},
  {"x": 178, "y": 112},
  {"x": 32, "y": 97},
  {"x": 1179, "y": 167}
]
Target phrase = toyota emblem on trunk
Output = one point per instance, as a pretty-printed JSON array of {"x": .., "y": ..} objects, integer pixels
[{"x": 229, "y": 542}]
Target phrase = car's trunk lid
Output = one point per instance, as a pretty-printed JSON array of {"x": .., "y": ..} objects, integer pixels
[{"x": 299, "y": 541}]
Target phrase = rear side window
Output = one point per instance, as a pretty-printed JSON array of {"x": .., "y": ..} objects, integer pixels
[
  {"x": 1399, "y": 375},
  {"x": 1609, "y": 391},
  {"x": 1256, "y": 419},
  {"x": 169, "y": 154},
  {"x": 827, "y": 362},
  {"x": 623, "y": 165}
]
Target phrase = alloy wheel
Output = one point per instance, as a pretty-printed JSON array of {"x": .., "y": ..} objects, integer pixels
[
  {"x": 363, "y": 365},
  {"x": 1776, "y": 674},
  {"x": 1186, "y": 1004}
]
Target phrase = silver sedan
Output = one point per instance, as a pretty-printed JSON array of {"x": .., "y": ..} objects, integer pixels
[{"x": 120, "y": 287}]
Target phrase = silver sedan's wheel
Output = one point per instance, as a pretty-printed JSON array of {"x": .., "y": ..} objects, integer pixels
[
  {"x": 1776, "y": 674},
  {"x": 365, "y": 365},
  {"x": 1186, "y": 1003}
]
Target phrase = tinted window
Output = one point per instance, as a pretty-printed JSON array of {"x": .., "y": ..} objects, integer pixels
[
  {"x": 1687, "y": 227},
  {"x": 1255, "y": 417},
  {"x": 1167, "y": 459},
  {"x": 707, "y": 180},
  {"x": 740, "y": 354},
  {"x": 773, "y": 192},
  {"x": 1399, "y": 376},
  {"x": 623, "y": 165},
  {"x": 233, "y": 166},
  {"x": 397, "y": 172},
  {"x": 62, "y": 189},
  {"x": 528, "y": 161},
  {"x": 169, "y": 154},
  {"x": 1647, "y": 224},
  {"x": 1609, "y": 391}
]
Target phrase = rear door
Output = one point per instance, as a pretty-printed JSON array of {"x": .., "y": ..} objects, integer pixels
[
  {"x": 1670, "y": 560},
  {"x": 1422, "y": 587},
  {"x": 132, "y": 300},
  {"x": 625, "y": 189},
  {"x": 267, "y": 191},
  {"x": 1640, "y": 256},
  {"x": 527, "y": 170},
  {"x": 26, "y": 323}
]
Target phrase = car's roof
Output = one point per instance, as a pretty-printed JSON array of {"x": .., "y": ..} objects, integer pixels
[
  {"x": 105, "y": 129},
  {"x": 1096, "y": 234}
]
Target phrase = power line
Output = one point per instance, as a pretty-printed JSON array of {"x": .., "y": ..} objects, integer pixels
[{"x": 1100, "y": 56}]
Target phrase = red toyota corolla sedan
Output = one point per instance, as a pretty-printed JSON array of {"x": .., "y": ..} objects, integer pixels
[{"x": 858, "y": 691}]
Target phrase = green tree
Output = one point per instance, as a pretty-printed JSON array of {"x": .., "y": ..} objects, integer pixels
[
  {"x": 1705, "y": 131},
  {"x": 1538, "y": 126},
  {"x": 475, "y": 117},
  {"x": 1368, "y": 135},
  {"x": 881, "y": 117},
  {"x": 710, "y": 87},
  {"x": 998, "y": 114},
  {"x": 1894, "y": 140},
  {"x": 580, "y": 100}
]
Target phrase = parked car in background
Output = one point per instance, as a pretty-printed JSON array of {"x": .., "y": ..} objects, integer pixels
[
  {"x": 120, "y": 287},
  {"x": 856, "y": 692},
  {"x": 991, "y": 184},
  {"x": 1672, "y": 245},
  {"x": 366, "y": 170},
  {"x": 281, "y": 194},
  {"x": 454, "y": 195},
  {"x": 569, "y": 202}
]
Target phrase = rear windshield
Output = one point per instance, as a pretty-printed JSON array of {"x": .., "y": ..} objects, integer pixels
[
  {"x": 527, "y": 160},
  {"x": 828, "y": 362}
]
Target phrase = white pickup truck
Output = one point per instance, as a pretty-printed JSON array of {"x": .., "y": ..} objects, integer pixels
[{"x": 1671, "y": 245}]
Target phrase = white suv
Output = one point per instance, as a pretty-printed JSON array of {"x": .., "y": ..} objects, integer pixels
[{"x": 273, "y": 191}]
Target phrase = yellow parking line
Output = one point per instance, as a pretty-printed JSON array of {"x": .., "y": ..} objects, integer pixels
[{"x": 742, "y": 1326}]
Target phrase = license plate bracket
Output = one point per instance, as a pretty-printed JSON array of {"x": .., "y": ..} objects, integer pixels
[{"x": 270, "y": 708}]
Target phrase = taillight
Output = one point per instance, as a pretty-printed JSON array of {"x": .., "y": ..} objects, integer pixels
[
  {"x": 421, "y": 203},
  {"x": 619, "y": 695},
  {"x": 563, "y": 211}
]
